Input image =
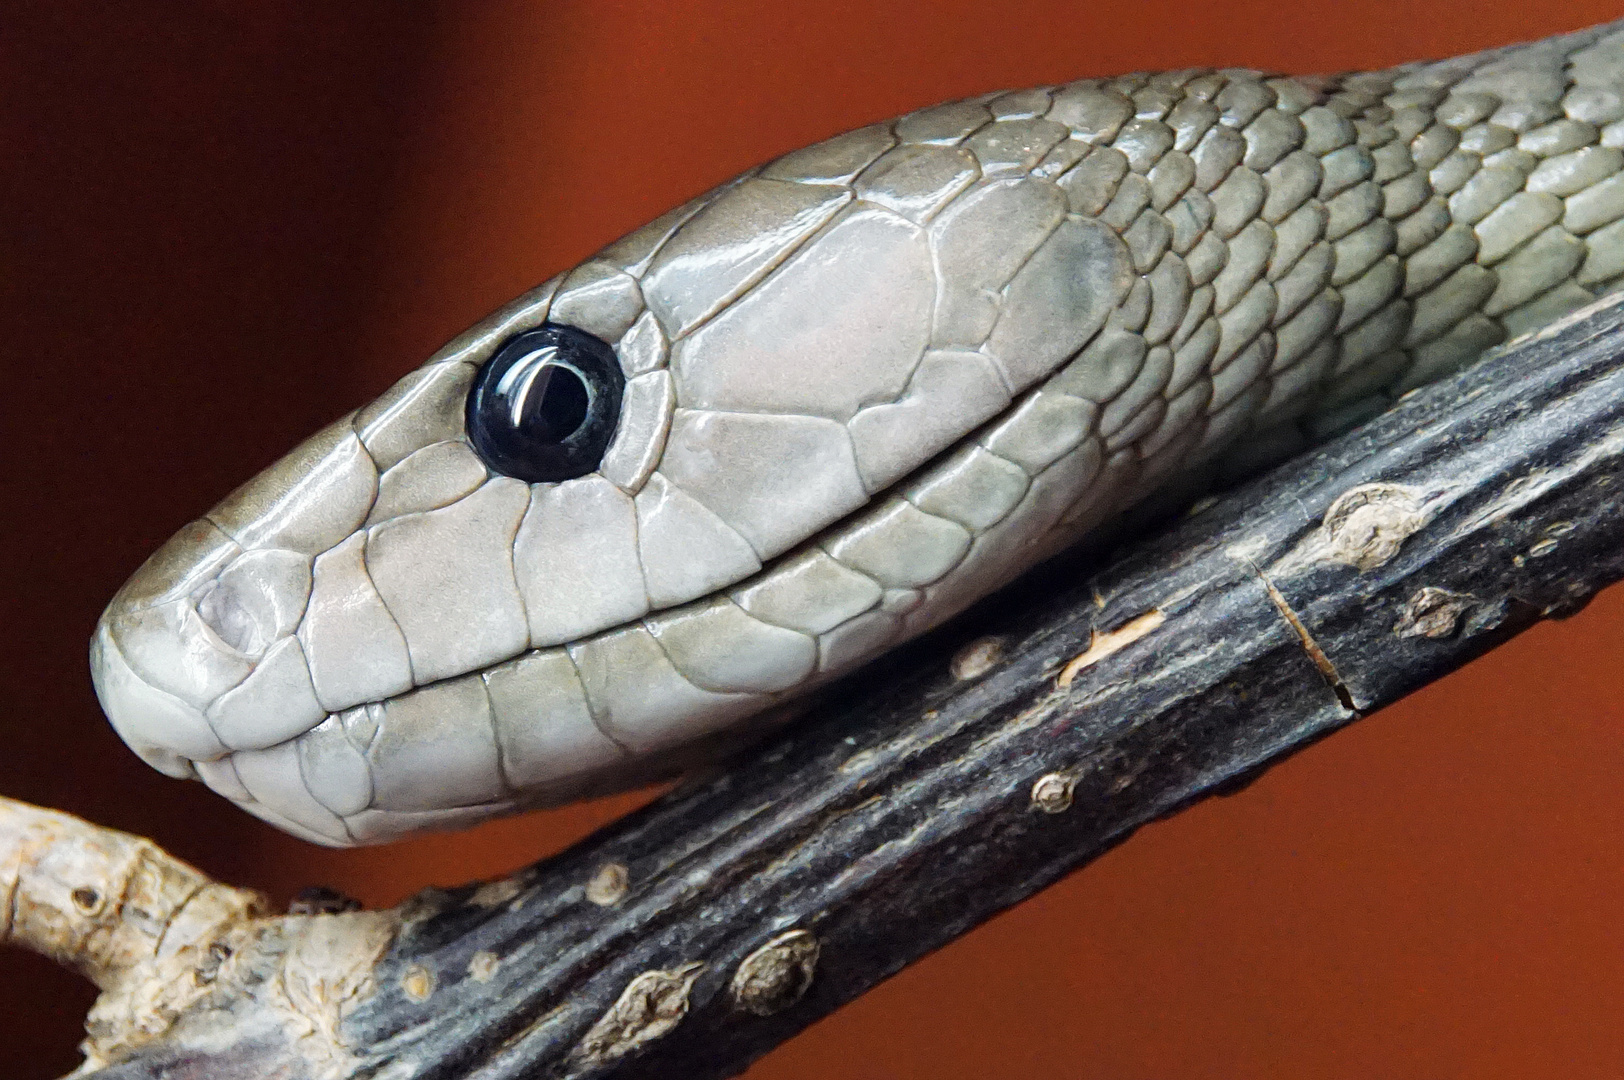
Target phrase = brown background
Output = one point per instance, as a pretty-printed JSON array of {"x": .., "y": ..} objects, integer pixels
[{"x": 227, "y": 223}]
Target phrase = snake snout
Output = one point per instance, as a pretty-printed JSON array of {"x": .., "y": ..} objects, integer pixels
[
  {"x": 257, "y": 600},
  {"x": 188, "y": 657}
]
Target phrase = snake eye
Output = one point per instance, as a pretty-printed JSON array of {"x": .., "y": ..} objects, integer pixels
[{"x": 544, "y": 407}]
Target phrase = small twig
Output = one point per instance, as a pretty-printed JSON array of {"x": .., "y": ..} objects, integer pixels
[{"x": 173, "y": 951}]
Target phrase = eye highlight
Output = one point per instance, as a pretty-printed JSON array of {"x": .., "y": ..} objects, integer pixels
[{"x": 544, "y": 407}]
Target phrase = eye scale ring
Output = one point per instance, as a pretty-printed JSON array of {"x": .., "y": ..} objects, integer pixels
[{"x": 544, "y": 406}]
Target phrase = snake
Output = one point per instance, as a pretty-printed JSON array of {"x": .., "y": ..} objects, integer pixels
[{"x": 629, "y": 521}]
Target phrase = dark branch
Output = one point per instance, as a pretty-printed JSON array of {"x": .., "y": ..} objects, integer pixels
[{"x": 697, "y": 934}]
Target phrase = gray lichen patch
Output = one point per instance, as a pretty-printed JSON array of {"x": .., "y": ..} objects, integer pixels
[{"x": 325, "y": 967}]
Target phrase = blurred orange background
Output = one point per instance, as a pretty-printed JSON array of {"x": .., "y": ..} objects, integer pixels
[{"x": 226, "y": 224}]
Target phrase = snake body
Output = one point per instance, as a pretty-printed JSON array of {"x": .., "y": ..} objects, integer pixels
[{"x": 864, "y": 385}]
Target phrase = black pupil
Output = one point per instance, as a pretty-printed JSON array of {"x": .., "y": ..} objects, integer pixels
[
  {"x": 555, "y": 407},
  {"x": 544, "y": 407}
]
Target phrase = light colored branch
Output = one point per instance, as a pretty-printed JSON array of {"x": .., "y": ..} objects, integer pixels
[{"x": 172, "y": 949}]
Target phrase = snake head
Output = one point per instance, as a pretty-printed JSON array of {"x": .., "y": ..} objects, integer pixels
[{"x": 724, "y": 459}]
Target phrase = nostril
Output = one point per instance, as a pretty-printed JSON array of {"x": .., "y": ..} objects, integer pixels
[
  {"x": 233, "y": 621},
  {"x": 257, "y": 600}
]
